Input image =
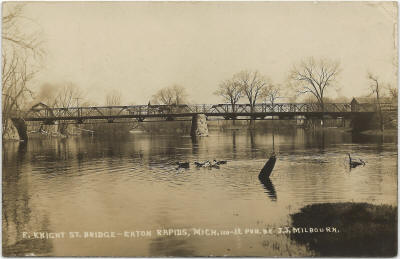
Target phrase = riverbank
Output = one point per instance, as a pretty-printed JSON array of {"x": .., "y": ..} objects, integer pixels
[{"x": 364, "y": 229}]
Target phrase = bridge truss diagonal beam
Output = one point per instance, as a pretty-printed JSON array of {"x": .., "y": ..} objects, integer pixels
[{"x": 170, "y": 111}]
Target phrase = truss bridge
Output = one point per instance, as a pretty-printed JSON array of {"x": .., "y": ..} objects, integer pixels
[{"x": 47, "y": 115}]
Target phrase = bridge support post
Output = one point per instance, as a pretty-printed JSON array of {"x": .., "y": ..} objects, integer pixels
[
  {"x": 199, "y": 126},
  {"x": 20, "y": 125},
  {"x": 300, "y": 121}
]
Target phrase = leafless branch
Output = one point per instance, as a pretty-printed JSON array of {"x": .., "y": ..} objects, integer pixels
[
  {"x": 174, "y": 94},
  {"x": 231, "y": 91},
  {"x": 20, "y": 51},
  {"x": 251, "y": 84},
  {"x": 314, "y": 77}
]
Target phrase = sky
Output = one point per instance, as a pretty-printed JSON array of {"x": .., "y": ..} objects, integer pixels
[{"x": 138, "y": 48}]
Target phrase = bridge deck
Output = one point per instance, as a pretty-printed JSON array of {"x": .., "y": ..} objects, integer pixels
[{"x": 41, "y": 112}]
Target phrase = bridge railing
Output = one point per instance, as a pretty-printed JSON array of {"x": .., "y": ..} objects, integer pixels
[
  {"x": 286, "y": 107},
  {"x": 389, "y": 107},
  {"x": 220, "y": 109}
]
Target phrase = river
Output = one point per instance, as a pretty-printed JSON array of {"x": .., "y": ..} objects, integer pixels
[{"x": 131, "y": 183}]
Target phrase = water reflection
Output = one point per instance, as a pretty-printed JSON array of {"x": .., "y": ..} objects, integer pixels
[
  {"x": 170, "y": 246},
  {"x": 269, "y": 188},
  {"x": 234, "y": 144},
  {"x": 18, "y": 211},
  {"x": 30, "y": 247},
  {"x": 22, "y": 148},
  {"x": 131, "y": 182}
]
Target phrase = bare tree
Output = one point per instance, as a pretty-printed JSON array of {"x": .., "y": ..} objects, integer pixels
[
  {"x": 15, "y": 88},
  {"x": 376, "y": 89},
  {"x": 13, "y": 22},
  {"x": 174, "y": 94},
  {"x": 163, "y": 96},
  {"x": 231, "y": 91},
  {"x": 393, "y": 92},
  {"x": 272, "y": 93},
  {"x": 314, "y": 77},
  {"x": 62, "y": 95},
  {"x": 21, "y": 55},
  {"x": 68, "y": 96},
  {"x": 180, "y": 94},
  {"x": 252, "y": 84},
  {"x": 113, "y": 98}
]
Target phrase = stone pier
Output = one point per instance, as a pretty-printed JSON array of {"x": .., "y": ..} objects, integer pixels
[
  {"x": 20, "y": 125},
  {"x": 199, "y": 126}
]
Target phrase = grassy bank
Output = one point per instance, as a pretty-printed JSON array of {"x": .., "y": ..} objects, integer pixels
[{"x": 364, "y": 229}]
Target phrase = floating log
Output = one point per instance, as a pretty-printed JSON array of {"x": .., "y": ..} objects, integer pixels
[{"x": 268, "y": 167}]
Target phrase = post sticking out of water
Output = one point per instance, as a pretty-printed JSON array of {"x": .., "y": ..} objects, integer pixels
[
  {"x": 273, "y": 135},
  {"x": 268, "y": 167},
  {"x": 270, "y": 164}
]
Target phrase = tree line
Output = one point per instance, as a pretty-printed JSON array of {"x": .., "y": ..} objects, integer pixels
[{"x": 23, "y": 54}]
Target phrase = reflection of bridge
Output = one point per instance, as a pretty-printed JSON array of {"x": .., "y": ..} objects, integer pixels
[{"x": 47, "y": 115}]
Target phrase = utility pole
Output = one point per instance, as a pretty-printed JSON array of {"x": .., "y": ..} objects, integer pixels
[
  {"x": 77, "y": 101},
  {"x": 77, "y": 107}
]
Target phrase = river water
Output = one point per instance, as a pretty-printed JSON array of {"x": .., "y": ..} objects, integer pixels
[{"x": 131, "y": 183}]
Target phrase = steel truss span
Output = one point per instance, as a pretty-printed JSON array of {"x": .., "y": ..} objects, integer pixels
[{"x": 43, "y": 113}]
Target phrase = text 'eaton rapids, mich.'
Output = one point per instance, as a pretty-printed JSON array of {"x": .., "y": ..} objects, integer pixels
[{"x": 179, "y": 232}]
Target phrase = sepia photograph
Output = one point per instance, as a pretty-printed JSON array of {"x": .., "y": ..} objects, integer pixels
[{"x": 199, "y": 129}]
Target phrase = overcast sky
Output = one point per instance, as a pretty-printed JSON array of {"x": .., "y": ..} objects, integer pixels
[{"x": 140, "y": 47}]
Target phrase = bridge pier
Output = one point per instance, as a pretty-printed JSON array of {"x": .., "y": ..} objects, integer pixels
[
  {"x": 199, "y": 126},
  {"x": 20, "y": 125}
]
